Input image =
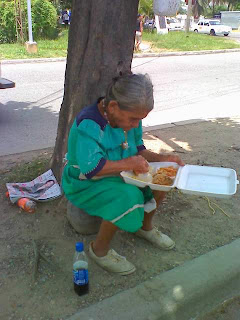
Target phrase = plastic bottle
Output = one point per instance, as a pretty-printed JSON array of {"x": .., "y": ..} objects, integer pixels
[
  {"x": 80, "y": 270},
  {"x": 27, "y": 205}
]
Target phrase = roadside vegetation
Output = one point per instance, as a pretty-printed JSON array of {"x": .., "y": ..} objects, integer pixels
[
  {"x": 44, "y": 20},
  {"x": 173, "y": 41},
  {"x": 179, "y": 41},
  {"x": 46, "y": 48},
  {"x": 52, "y": 37}
]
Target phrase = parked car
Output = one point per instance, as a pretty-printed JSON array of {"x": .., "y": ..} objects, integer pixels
[
  {"x": 212, "y": 27},
  {"x": 173, "y": 24},
  {"x": 149, "y": 25}
]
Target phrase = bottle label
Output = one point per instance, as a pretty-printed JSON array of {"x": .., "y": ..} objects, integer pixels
[{"x": 80, "y": 277}]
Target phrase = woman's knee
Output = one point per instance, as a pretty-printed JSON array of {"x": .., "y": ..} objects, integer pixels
[{"x": 132, "y": 192}]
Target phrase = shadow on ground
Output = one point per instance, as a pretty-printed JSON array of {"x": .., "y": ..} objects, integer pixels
[{"x": 29, "y": 125}]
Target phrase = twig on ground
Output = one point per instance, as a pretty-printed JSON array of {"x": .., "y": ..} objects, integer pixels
[{"x": 210, "y": 203}]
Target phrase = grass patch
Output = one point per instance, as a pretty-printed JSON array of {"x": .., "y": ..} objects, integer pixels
[
  {"x": 26, "y": 172},
  {"x": 46, "y": 49},
  {"x": 179, "y": 41},
  {"x": 173, "y": 41}
]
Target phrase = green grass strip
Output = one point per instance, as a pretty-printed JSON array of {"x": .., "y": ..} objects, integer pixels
[{"x": 180, "y": 41}]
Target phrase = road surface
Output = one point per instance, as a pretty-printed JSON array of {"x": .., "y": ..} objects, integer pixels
[{"x": 185, "y": 87}]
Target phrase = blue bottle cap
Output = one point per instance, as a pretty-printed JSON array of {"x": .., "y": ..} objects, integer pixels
[{"x": 79, "y": 246}]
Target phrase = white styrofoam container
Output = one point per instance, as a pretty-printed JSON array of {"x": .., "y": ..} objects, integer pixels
[{"x": 191, "y": 179}]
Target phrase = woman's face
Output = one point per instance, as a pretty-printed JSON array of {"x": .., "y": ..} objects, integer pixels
[{"x": 126, "y": 120}]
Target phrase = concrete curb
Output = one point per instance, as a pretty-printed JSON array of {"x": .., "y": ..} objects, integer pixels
[
  {"x": 136, "y": 55},
  {"x": 37, "y": 60},
  {"x": 183, "y": 293},
  {"x": 183, "y": 53}
]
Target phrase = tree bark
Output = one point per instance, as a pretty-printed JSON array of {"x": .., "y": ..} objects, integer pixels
[
  {"x": 101, "y": 42},
  {"x": 189, "y": 14}
]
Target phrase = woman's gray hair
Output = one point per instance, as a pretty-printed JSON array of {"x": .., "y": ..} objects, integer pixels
[{"x": 131, "y": 92}]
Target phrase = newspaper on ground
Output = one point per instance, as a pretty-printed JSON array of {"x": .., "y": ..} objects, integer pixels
[{"x": 43, "y": 188}]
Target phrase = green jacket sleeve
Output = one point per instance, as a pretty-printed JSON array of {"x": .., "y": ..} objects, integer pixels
[{"x": 90, "y": 153}]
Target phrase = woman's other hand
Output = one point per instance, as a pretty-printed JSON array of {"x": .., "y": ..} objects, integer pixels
[
  {"x": 174, "y": 158},
  {"x": 139, "y": 164}
]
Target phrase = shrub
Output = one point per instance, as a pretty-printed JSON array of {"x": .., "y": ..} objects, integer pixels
[
  {"x": 44, "y": 20},
  {"x": 44, "y": 16},
  {"x": 7, "y": 22}
]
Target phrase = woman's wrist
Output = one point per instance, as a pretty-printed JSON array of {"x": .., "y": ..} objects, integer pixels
[{"x": 127, "y": 164}]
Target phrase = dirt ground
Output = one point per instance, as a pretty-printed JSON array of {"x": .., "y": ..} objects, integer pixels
[{"x": 187, "y": 219}]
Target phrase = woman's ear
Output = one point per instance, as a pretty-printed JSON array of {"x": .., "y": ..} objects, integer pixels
[{"x": 112, "y": 106}]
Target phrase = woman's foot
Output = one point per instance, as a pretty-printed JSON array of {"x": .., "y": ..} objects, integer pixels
[
  {"x": 112, "y": 262},
  {"x": 157, "y": 238}
]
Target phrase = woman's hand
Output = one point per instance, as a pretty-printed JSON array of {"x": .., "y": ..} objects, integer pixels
[
  {"x": 161, "y": 157},
  {"x": 174, "y": 158},
  {"x": 138, "y": 164}
]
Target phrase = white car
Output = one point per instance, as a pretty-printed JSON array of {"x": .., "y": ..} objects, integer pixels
[
  {"x": 212, "y": 27},
  {"x": 173, "y": 24}
]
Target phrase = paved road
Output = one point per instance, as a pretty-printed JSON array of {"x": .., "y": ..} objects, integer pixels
[{"x": 185, "y": 87}]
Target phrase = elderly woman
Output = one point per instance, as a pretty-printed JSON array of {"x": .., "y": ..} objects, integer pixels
[{"x": 105, "y": 139}]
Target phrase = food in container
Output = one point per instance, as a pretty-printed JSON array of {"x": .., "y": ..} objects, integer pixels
[
  {"x": 162, "y": 176},
  {"x": 192, "y": 179}
]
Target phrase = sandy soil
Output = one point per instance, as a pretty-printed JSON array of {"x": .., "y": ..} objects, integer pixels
[{"x": 187, "y": 219}]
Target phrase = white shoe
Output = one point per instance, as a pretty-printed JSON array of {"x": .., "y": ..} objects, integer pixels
[
  {"x": 157, "y": 238},
  {"x": 113, "y": 262}
]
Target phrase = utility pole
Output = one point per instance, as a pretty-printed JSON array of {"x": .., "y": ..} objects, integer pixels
[
  {"x": 31, "y": 46},
  {"x": 189, "y": 14}
]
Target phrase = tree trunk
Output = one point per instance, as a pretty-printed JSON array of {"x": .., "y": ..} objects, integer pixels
[
  {"x": 101, "y": 42},
  {"x": 189, "y": 14}
]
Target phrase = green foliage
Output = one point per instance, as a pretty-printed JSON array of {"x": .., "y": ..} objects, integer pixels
[
  {"x": 7, "y": 21},
  {"x": 44, "y": 20},
  {"x": 237, "y": 6},
  {"x": 46, "y": 49},
  {"x": 208, "y": 8},
  {"x": 66, "y": 4},
  {"x": 62, "y": 4},
  {"x": 44, "y": 16},
  {"x": 201, "y": 7},
  {"x": 146, "y": 8}
]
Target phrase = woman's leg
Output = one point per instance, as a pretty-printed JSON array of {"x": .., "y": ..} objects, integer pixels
[
  {"x": 147, "y": 222},
  {"x": 101, "y": 244},
  {"x": 148, "y": 232},
  {"x": 107, "y": 259}
]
